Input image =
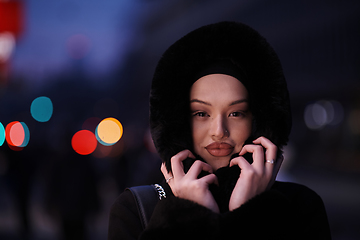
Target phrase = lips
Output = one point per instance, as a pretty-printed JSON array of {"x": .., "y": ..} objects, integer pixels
[{"x": 217, "y": 149}]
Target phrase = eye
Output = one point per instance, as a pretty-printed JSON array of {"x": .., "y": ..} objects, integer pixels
[
  {"x": 200, "y": 114},
  {"x": 237, "y": 114}
]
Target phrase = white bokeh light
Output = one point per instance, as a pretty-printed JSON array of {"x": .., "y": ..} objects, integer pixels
[{"x": 321, "y": 113}]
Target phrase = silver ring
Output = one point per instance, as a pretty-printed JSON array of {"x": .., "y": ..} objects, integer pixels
[
  {"x": 168, "y": 179},
  {"x": 270, "y": 161}
]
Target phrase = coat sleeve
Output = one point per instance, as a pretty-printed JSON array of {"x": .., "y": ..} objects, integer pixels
[{"x": 124, "y": 221}]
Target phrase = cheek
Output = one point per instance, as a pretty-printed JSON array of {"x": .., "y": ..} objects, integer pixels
[
  {"x": 248, "y": 129},
  {"x": 242, "y": 133},
  {"x": 196, "y": 132}
]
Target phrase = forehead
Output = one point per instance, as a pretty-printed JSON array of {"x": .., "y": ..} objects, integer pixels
[{"x": 218, "y": 86}]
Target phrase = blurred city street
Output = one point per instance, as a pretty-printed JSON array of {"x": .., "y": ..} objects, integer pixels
[{"x": 90, "y": 63}]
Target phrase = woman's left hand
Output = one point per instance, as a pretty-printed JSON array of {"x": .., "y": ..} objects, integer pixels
[{"x": 257, "y": 177}]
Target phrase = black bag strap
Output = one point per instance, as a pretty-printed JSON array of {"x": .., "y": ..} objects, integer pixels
[{"x": 146, "y": 198}]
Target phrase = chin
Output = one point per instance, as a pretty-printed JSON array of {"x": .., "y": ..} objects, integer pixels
[{"x": 218, "y": 162}]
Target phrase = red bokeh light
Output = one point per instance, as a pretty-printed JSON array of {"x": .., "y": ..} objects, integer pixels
[
  {"x": 84, "y": 142},
  {"x": 11, "y": 17}
]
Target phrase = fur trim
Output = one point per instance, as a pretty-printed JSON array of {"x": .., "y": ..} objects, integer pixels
[{"x": 176, "y": 71}]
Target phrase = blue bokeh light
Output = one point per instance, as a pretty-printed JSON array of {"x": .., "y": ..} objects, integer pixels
[{"x": 41, "y": 109}]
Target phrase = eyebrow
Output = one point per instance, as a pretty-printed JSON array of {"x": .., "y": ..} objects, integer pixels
[
  {"x": 238, "y": 101},
  {"x": 208, "y": 104}
]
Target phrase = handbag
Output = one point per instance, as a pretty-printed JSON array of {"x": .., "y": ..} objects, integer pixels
[{"x": 146, "y": 198}]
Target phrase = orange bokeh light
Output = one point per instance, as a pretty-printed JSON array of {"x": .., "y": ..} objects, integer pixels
[{"x": 109, "y": 131}]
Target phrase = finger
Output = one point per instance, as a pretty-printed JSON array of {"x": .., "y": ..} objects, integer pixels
[
  {"x": 241, "y": 162},
  {"x": 270, "y": 155},
  {"x": 269, "y": 168},
  {"x": 210, "y": 179},
  {"x": 271, "y": 148},
  {"x": 275, "y": 171},
  {"x": 257, "y": 155},
  {"x": 176, "y": 162},
  {"x": 165, "y": 171},
  {"x": 197, "y": 167}
]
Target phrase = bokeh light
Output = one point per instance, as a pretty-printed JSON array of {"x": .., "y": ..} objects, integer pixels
[
  {"x": 321, "y": 113},
  {"x": 7, "y": 133},
  {"x": 338, "y": 116},
  {"x": 17, "y": 134},
  {"x": 27, "y": 135},
  {"x": 41, "y": 109},
  {"x": 84, "y": 142},
  {"x": 2, "y": 134},
  {"x": 109, "y": 131},
  {"x": 7, "y": 45}
]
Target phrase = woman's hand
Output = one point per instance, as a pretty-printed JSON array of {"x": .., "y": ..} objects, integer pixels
[
  {"x": 188, "y": 186},
  {"x": 257, "y": 177}
]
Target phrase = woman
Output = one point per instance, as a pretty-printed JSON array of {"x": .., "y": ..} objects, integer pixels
[{"x": 220, "y": 115}]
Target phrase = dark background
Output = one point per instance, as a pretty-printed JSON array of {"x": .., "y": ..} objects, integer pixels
[{"x": 96, "y": 59}]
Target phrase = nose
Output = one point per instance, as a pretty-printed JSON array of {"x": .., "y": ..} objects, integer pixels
[{"x": 219, "y": 129}]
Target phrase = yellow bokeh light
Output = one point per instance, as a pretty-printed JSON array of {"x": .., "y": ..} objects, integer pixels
[{"x": 109, "y": 131}]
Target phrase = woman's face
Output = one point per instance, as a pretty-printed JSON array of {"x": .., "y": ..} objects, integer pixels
[{"x": 220, "y": 118}]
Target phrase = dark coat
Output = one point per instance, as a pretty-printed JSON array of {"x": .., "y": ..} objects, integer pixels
[{"x": 287, "y": 211}]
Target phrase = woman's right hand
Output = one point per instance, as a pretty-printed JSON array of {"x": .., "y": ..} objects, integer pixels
[{"x": 188, "y": 186}]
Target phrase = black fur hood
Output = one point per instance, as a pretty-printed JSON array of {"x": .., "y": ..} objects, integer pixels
[{"x": 176, "y": 72}]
